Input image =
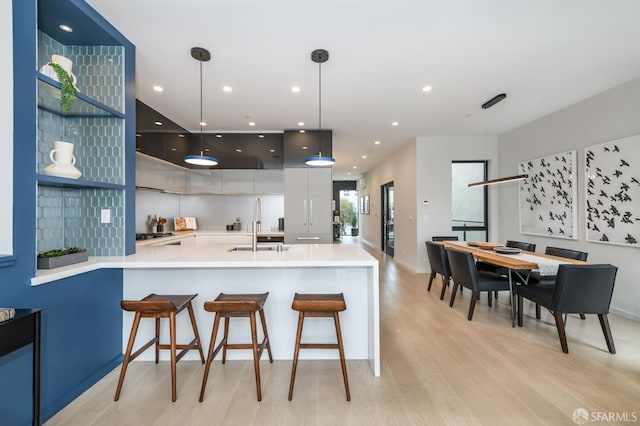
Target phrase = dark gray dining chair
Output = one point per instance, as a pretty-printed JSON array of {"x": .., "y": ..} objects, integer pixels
[
  {"x": 578, "y": 289},
  {"x": 439, "y": 265},
  {"x": 465, "y": 274}
]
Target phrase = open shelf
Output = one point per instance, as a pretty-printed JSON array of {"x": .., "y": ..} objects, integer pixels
[
  {"x": 84, "y": 106},
  {"x": 56, "y": 181}
]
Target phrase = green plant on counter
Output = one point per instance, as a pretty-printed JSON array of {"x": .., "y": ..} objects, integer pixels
[
  {"x": 62, "y": 252},
  {"x": 68, "y": 92}
]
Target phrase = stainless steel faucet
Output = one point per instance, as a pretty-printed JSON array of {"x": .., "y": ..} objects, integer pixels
[{"x": 255, "y": 224}]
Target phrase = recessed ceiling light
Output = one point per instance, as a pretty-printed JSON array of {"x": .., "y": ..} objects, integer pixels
[
  {"x": 427, "y": 88},
  {"x": 301, "y": 131},
  {"x": 395, "y": 123},
  {"x": 227, "y": 89},
  {"x": 304, "y": 147},
  {"x": 376, "y": 142},
  {"x": 300, "y": 123},
  {"x": 173, "y": 149},
  {"x": 261, "y": 136},
  {"x": 138, "y": 135},
  {"x": 181, "y": 135},
  {"x": 218, "y": 135},
  {"x": 202, "y": 123},
  {"x": 355, "y": 167},
  {"x": 238, "y": 150},
  {"x": 207, "y": 149},
  {"x": 65, "y": 28},
  {"x": 137, "y": 149},
  {"x": 364, "y": 156},
  {"x": 348, "y": 173},
  {"x": 158, "y": 88},
  {"x": 272, "y": 150},
  {"x": 295, "y": 89},
  {"x": 158, "y": 123},
  {"x": 251, "y": 123}
]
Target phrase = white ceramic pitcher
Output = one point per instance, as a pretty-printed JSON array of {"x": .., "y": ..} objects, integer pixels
[{"x": 62, "y": 161}]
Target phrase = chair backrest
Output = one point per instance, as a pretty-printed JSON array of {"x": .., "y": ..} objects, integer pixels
[
  {"x": 444, "y": 238},
  {"x": 521, "y": 245},
  {"x": 438, "y": 259},
  {"x": 463, "y": 268},
  {"x": 567, "y": 253},
  {"x": 583, "y": 289}
]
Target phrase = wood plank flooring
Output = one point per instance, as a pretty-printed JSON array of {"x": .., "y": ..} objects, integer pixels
[{"x": 437, "y": 369}]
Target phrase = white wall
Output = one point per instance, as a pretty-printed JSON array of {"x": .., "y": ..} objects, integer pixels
[
  {"x": 6, "y": 128},
  {"x": 607, "y": 116},
  {"x": 434, "y": 156},
  {"x": 212, "y": 212},
  {"x": 401, "y": 169}
]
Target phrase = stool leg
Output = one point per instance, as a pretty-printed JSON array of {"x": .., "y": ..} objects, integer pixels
[
  {"x": 336, "y": 320},
  {"x": 266, "y": 335},
  {"x": 226, "y": 339},
  {"x": 192, "y": 316},
  {"x": 127, "y": 355},
  {"x": 295, "y": 353},
  {"x": 212, "y": 345},
  {"x": 157, "y": 339},
  {"x": 172, "y": 334},
  {"x": 254, "y": 346}
]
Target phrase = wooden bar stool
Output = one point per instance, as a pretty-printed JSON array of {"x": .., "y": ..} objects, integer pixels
[
  {"x": 160, "y": 306},
  {"x": 237, "y": 305},
  {"x": 319, "y": 305}
]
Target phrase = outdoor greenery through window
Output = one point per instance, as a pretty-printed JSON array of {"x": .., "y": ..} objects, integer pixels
[
  {"x": 469, "y": 205},
  {"x": 349, "y": 212}
]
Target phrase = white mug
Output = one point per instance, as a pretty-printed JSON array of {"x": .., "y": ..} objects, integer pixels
[
  {"x": 64, "y": 62},
  {"x": 64, "y": 151}
]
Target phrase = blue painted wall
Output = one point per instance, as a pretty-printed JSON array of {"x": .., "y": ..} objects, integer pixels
[{"x": 82, "y": 320}]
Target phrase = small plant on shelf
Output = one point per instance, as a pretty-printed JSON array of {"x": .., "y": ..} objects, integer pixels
[
  {"x": 62, "y": 257},
  {"x": 62, "y": 252},
  {"x": 68, "y": 91}
]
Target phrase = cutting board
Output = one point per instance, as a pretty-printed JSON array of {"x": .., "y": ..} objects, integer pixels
[
  {"x": 184, "y": 223},
  {"x": 484, "y": 245}
]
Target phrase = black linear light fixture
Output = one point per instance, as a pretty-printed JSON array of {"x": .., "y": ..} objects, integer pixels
[
  {"x": 319, "y": 56},
  {"x": 202, "y": 55},
  {"x": 491, "y": 102}
]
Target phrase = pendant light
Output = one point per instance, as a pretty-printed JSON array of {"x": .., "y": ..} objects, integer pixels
[
  {"x": 201, "y": 54},
  {"x": 491, "y": 102},
  {"x": 319, "y": 56}
]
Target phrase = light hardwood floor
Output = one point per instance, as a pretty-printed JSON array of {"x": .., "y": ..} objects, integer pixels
[{"x": 437, "y": 368}]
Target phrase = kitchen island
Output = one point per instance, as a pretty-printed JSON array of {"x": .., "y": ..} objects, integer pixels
[{"x": 209, "y": 270}]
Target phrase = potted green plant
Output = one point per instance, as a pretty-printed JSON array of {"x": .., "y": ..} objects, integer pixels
[
  {"x": 354, "y": 225},
  {"x": 62, "y": 257},
  {"x": 68, "y": 91}
]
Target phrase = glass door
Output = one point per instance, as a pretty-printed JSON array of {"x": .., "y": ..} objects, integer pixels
[
  {"x": 469, "y": 206},
  {"x": 388, "y": 234}
]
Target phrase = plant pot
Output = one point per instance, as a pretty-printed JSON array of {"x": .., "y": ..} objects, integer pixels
[
  {"x": 354, "y": 232},
  {"x": 67, "y": 259}
]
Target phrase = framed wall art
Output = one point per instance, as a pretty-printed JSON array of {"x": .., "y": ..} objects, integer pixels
[
  {"x": 366, "y": 204},
  {"x": 548, "y": 196},
  {"x": 612, "y": 191}
]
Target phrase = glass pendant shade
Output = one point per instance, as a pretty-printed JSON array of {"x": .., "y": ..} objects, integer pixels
[
  {"x": 319, "y": 161},
  {"x": 201, "y": 160}
]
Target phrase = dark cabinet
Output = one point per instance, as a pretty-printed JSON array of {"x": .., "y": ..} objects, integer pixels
[{"x": 298, "y": 146}]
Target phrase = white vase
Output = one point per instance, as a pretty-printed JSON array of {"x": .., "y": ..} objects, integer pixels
[{"x": 62, "y": 161}]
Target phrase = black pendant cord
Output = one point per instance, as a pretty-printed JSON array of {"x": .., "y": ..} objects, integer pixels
[
  {"x": 201, "y": 136},
  {"x": 320, "y": 108}
]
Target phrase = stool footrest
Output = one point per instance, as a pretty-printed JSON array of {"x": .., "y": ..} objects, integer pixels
[
  {"x": 143, "y": 348},
  {"x": 319, "y": 346}
]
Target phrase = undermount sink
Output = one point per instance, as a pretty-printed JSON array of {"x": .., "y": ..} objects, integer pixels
[{"x": 270, "y": 247}]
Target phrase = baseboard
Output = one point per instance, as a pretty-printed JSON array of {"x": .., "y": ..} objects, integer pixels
[
  {"x": 625, "y": 314},
  {"x": 57, "y": 405}
]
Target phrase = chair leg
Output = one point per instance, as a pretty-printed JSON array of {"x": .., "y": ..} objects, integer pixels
[
  {"x": 495, "y": 294},
  {"x": 520, "y": 314},
  {"x": 254, "y": 346},
  {"x": 157, "y": 340},
  {"x": 490, "y": 300},
  {"x": 431, "y": 277},
  {"x": 212, "y": 345},
  {"x": 453, "y": 294},
  {"x": 192, "y": 317},
  {"x": 266, "y": 335},
  {"x": 583, "y": 317},
  {"x": 538, "y": 312},
  {"x": 561, "y": 333},
  {"x": 295, "y": 353},
  {"x": 472, "y": 305},
  {"x": 336, "y": 321},
  {"x": 127, "y": 355},
  {"x": 445, "y": 283},
  {"x": 172, "y": 336},
  {"x": 606, "y": 330},
  {"x": 226, "y": 337}
]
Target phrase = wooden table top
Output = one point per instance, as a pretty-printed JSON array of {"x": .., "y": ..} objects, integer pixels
[{"x": 506, "y": 261}]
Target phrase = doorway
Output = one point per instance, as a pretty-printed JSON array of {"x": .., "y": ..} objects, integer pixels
[{"x": 388, "y": 234}]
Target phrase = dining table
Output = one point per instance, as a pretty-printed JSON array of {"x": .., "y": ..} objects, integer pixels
[{"x": 519, "y": 263}]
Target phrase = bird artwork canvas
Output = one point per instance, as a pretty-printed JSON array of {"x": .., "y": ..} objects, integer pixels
[
  {"x": 548, "y": 196},
  {"x": 612, "y": 190}
]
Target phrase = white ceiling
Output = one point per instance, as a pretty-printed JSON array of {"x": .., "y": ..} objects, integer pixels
[{"x": 545, "y": 54}]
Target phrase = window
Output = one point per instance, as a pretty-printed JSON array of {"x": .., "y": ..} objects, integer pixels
[{"x": 469, "y": 205}]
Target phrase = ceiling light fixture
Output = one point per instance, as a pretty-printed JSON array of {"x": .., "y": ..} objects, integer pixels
[
  {"x": 376, "y": 143},
  {"x": 295, "y": 89},
  {"x": 158, "y": 88},
  {"x": 395, "y": 123},
  {"x": 427, "y": 88},
  {"x": 200, "y": 54},
  {"x": 158, "y": 123},
  {"x": 319, "y": 56},
  {"x": 227, "y": 89},
  {"x": 251, "y": 123},
  {"x": 491, "y": 102},
  {"x": 65, "y": 28},
  {"x": 261, "y": 136}
]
